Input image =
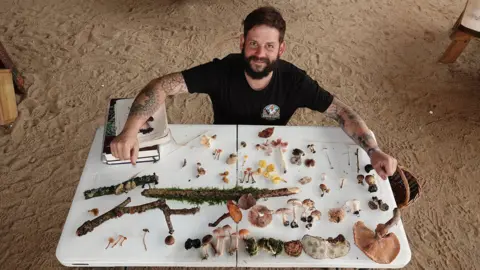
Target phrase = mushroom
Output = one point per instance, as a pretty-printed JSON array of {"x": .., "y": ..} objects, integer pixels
[
  {"x": 314, "y": 216},
  {"x": 305, "y": 180},
  {"x": 284, "y": 212},
  {"x": 296, "y": 158},
  {"x": 227, "y": 229},
  {"x": 233, "y": 248},
  {"x": 206, "y": 240},
  {"x": 294, "y": 203},
  {"x": 308, "y": 205},
  {"x": 354, "y": 206},
  {"x": 243, "y": 144},
  {"x": 330, "y": 248},
  {"x": 207, "y": 140},
  {"x": 311, "y": 147},
  {"x": 383, "y": 206},
  {"x": 169, "y": 240},
  {"x": 293, "y": 248},
  {"x": 360, "y": 178},
  {"x": 232, "y": 159},
  {"x": 200, "y": 170},
  {"x": 324, "y": 189},
  {"x": 282, "y": 146},
  {"x": 260, "y": 216},
  {"x": 336, "y": 215},
  {"x": 323, "y": 176},
  {"x": 372, "y": 187},
  {"x": 246, "y": 201},
  {"x": 188, "y": 244},
  {"x": 94, "y": 211},
  {"x": 120, "y": 239},
  {"x": 145, "y": 234},
  {"x": 196, "y": 243},
  {"x": 266, "y": 133},
  {"x": 110, "y": 241},
  {"x": 310, "y": 162},
  {"x": 218, "y": 232},
  {"x": 373, "y": 205},
  {"x": 368, "y": 168},
  {"x": 380, "y": 246}
]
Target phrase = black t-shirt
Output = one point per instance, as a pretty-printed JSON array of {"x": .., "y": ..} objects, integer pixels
[{"x": 235, "y": 102}]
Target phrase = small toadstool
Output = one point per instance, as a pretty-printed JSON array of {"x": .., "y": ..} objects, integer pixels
[
  {"x": 324, "y": 189},
  {"x": 294, "y": 203},
  {"x": 336, "y": 215},
  {"x": 372, "y": 187},
  {"x": 308, "y": 205},
  {"x": 206, "y": 241},
  {"x": 284, "y": 212},
  {"x": 360, "y": 178},
  {"x": 232, "y": 159},
  {"x": 354, "y": 206}
]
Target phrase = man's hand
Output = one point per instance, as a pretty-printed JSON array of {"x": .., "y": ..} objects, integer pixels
[
  {"x": 383, "y": 164},
  {"x": 125, "y": 146}
]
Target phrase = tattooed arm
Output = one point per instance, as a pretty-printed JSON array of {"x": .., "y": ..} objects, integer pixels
[
  {"x": 355, "y": 128},
  {"x": 150, "y": 98}
]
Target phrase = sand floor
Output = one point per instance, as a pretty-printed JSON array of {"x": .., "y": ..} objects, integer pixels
[{"x": 379, "y": 56}]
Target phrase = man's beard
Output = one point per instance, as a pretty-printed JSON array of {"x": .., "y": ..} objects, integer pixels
[{"x": 257, "y": 75}]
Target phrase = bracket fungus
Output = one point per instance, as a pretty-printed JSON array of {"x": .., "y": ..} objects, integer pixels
[{"x": 330, "y": 248}]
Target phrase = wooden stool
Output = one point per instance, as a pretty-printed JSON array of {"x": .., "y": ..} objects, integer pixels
[{"x": 466, "y": 28}]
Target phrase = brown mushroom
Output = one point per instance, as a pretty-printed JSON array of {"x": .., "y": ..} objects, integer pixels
[
  {"x": 232, "y": 159},
  {"x": 336, "y": 215},
  {"x": 380, "y": 246},
  {"x": 305, "y": 180},
  {"x": 169, "y": 240},
  {"x": 218, "y": 232},
  {"x": 324, "y": 189},
  {"x": 293, "y": 248},
  {"x": 206, "y": 240},
  {"x": 246, "y": 201},
  {"x": 370, "y": 179},
  {"x": 260, "y": 216},
  {"x": 308, "y": 205},
  {"x": 360, "y": 179},
  {"x": 284, "y": 212}
]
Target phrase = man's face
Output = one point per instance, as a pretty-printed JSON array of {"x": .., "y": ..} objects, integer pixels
[{"x": 261, "y": 49}]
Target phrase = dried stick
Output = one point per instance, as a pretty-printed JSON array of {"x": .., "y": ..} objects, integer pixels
[
  {"x": 214, "y": 195},
  {"x": 358, "y": 162},
  {"x": 122, "y": 187},
  {"x": 215, "y": 224},
  {"x": 121, "y": 209}
]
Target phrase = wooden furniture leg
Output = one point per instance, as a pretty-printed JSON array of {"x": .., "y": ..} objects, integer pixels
[{"x": 460, "y": 40}]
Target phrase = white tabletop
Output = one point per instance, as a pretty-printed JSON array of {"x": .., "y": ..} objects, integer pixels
[{"x": 89, "y": 250}]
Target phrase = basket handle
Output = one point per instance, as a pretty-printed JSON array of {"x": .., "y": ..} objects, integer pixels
[{"x": 407, "y": 188}]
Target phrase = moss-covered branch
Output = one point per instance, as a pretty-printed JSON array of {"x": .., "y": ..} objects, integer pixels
[
  {"x": 122, "y": 187},
  {"x": 214, "y": 195}
]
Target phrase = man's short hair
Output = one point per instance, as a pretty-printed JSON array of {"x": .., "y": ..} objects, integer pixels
[{"x": 265, "y": 16}]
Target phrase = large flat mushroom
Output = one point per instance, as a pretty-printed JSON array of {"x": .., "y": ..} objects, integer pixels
[
  {"x": 380, "y": 246},
  {"x": 330, "y": 248},
  {"x": 260, "y": 216}
]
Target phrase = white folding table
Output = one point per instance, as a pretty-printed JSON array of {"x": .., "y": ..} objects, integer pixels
[{"x": 89, "y": 250}]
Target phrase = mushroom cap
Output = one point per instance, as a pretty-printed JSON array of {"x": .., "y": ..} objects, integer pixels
[
  {"x": 234, "y": 211},
  {"x": 297, "y": 152},
  {"x": 316, "y": 214},
  {"x": 293, "y": 248},
  {"x": 384, "y": 250},
  {"x": 244, "y": 232},
  {"x": 227, "y": 228},
  {"x": 207, "y": 239},
  {"x": 336, "y": 215},
  {"x": 284, "y": 211},
  {"x": 246, "y": 201},
  {"x": 360, "y": 177},
  {"x": 308, "y": 203},
  {"x": 218, "y": 231},
  {"x": 169, "y": 240},
  {"x": 260, "y": 216},
  {"x": 370, "y": 179},
  {"x": 294, "y": 202}
]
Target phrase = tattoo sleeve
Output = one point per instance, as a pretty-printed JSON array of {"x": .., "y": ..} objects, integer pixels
[
  {"x": 152, "y": 96},
  {"x": 352, "y": 124}
]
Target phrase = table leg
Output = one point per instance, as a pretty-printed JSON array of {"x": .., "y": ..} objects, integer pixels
[{"x": 460, "y": 40}]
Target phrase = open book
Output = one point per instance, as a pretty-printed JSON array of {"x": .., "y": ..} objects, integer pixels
[{"x": 153, "y": 133}]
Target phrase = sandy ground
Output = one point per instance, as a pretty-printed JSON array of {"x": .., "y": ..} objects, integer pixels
[{"x": 379, "y": 56}]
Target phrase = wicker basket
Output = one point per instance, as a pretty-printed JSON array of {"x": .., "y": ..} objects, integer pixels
[{"x": 405, "y": 187}]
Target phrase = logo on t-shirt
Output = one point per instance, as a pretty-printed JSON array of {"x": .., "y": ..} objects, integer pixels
[{"x": 271, "y": 112}]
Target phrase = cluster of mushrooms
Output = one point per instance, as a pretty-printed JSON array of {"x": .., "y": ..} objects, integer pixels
[
  {"x": 309, "y": 213},
  {"x": 370, "y": 179},
  {"x": 218, "y": 246}
]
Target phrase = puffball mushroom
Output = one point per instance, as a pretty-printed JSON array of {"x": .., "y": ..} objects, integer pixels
[
  {"x": 260, "y": 216},
  {"x": 330, "y": 248},
  {"x": 308, "y": 205},
  {"x": 284, "y": 212},
  {"x": 169, "y": 240}
]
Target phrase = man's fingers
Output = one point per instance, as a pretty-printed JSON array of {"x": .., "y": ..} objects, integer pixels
[
  {"x": 113, "y": 149},
  {"x": 134, "y": 154},
  {"x": 379, "y": 168},
  {"x": 126, "y": 152}
]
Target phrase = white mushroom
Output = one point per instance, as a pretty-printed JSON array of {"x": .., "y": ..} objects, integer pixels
[
  {"x": 284, "y": 212},
  {"x": 294, "y": 203},
  {"x": 354, "y": 206}
]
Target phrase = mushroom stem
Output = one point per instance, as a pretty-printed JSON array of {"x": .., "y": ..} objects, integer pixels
[
  {"x": 285, "y": 221},
  {"x": 145, "y": 234},
  {"x": 382, "y": 229},
  {"x": 215, "y": 224},
  {"x": 233, "y": 248}
]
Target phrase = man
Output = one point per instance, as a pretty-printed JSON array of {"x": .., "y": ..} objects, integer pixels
[{"x": 254, "y": 87}]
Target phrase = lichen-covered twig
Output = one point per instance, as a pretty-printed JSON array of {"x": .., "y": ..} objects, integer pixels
[
  {"x": 215, "y": 195},
  {"x": 122, "y": 187},
  {"x": 121, "y": 209}
]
